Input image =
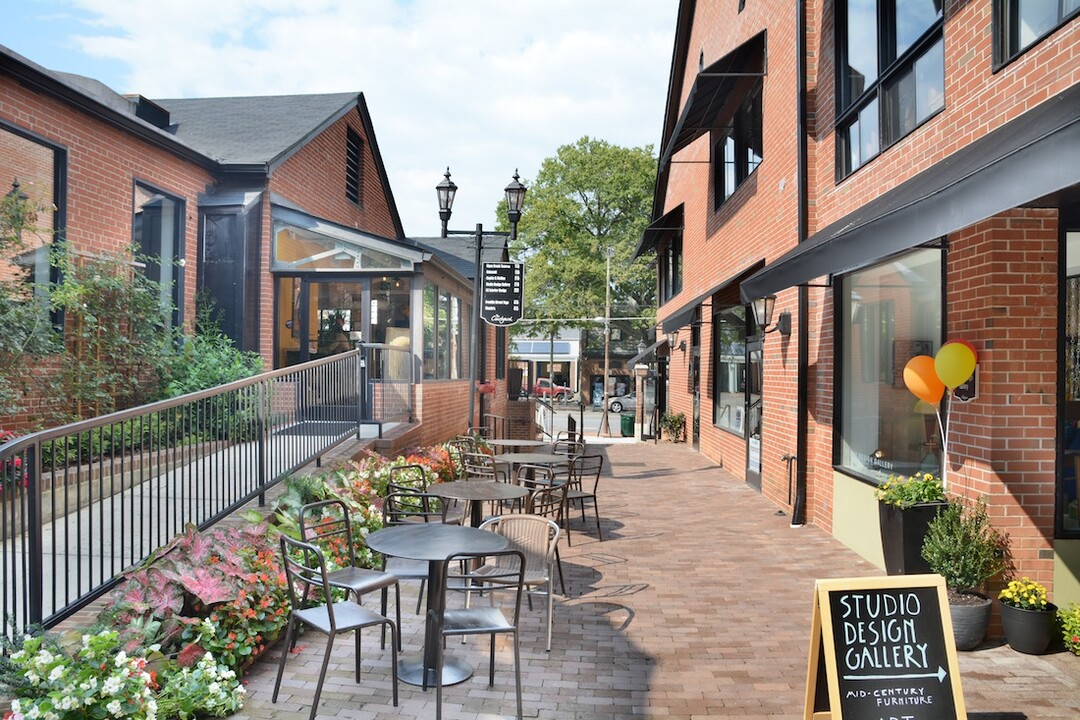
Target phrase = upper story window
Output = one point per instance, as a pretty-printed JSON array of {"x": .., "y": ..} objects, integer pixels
[
  {"x": 737, "y": 150},
  {"x": 891, "y": 74},
  {"x": 1019, "y": 24},
  {"x": 354, "y": 166},
  {"x": 669, "y": 267},
  {"x": 157, "y": 233}
]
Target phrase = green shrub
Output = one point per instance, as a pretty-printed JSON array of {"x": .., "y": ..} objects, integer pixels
[
  {"x": 1070, "y": 627},
  {"x": 674, "y": 426},
  {"x": 962, "y": 546},
  {"x": 208, "y": 358}
]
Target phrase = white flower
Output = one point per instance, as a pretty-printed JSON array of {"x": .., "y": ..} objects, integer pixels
[
  {"x": 57, "y": 673},
  {"x": 121, "y": 658},
  {"x": 114, "y": 708},
  {"x": 111, "y": 686}
]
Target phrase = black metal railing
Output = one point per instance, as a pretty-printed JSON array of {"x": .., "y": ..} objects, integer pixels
[{"x": 81, "y": 503}]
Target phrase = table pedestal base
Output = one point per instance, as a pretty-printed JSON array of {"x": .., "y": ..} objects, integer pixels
[{"x": 411, "y": 670}]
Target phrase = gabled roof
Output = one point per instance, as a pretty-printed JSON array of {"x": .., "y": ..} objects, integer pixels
[{"x": 262, "y": 130}]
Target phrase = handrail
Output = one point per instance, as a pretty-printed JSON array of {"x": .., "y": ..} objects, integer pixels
[{"x": 81, "y": 503}]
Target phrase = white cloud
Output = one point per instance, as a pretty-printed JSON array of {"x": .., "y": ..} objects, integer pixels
[{"x": 483, "y": 86}]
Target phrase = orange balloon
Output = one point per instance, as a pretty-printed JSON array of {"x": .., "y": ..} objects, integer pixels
[
  {"x": 954, "y": 364},
  {"x": 922, "y": 381}
]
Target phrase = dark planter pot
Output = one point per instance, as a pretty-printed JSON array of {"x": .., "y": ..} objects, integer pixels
[
  {"x": 902, "y": 533},
  {"x": 969, "y": 623},
  {"x": 1028, "y": 631}
]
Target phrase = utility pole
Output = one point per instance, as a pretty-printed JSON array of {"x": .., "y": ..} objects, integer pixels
[{"x": 605, "y": 427}]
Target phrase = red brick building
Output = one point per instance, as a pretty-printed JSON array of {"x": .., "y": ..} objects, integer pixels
[
  {"x": 279, "y": 207},
  {"x": 897, "y": 175}
]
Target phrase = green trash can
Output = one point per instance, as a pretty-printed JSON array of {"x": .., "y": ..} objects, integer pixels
[{"x": 626, "y": 425}]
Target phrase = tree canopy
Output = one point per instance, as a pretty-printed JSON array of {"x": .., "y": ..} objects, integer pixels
[{"x": 590, "y": 196}]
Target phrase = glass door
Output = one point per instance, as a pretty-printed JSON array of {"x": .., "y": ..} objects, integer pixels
[
  {"x": 318, "y": 317},
  {"x": 754, "y": 379}
]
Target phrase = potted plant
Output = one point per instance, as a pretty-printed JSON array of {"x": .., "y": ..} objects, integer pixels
[
  {"x": 1026, "y": 616},
  {"x": 963, "y": 547},
  {"x": 1070, "y": 627},
  {"x": 906, "y": 505}
]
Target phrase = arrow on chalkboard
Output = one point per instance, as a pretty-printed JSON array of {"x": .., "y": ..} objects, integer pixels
[{"x": 940, "y": 675}]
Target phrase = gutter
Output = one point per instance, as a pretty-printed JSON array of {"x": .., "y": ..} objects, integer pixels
[{"x": 798, "y": 510}]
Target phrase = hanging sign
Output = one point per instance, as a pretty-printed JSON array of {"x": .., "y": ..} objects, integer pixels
[
  {"x": 503, "y": 287},
  {"x": 882, "y": 648}
]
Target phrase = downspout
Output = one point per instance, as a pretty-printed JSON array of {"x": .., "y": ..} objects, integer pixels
[{"x": 798, "y": 510}]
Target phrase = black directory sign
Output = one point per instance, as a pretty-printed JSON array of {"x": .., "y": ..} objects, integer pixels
[
  {"x": 882, "y": 649},
  {"x": 503, "y": 291}
]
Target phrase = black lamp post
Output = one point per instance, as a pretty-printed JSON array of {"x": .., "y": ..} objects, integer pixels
[{"x": 515, "y": 198}]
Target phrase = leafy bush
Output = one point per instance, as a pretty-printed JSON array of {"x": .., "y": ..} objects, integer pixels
[
  {"x": 674, "y": 426},
  {"x": 208, "y": 358},
  {"x": 962, "y": 546},
  {"x": 1070, "y": 627}
]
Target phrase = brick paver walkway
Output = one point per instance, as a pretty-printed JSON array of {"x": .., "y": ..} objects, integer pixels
[{"x": 696, "y": 604}]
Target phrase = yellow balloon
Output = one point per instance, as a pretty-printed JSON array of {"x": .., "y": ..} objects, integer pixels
[{"x": 954, "y": 364}]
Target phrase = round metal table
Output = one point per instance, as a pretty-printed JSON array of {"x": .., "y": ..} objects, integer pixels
[
  {"x": 433, "y": 542},
  {"x": 476, "y": 492},
  {"x": 514, "y": 444}
]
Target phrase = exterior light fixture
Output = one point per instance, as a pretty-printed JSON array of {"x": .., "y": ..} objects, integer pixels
[
  {"x": 763, "y": 312},
  {"x": 515, "y": 199}
]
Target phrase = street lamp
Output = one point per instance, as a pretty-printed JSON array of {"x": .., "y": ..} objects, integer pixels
[
  {"x": 609, "y": 251},
  {"x": 515, "y": 198}
]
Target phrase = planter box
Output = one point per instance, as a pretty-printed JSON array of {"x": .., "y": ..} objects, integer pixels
[{"x": 902, "y": 533}]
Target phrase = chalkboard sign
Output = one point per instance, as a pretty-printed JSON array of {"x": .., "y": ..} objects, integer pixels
[
  {"x": 503, "y": 289},
  {"x": 888, "y": 651}
]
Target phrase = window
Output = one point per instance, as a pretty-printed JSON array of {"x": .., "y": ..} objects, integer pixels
[
  {"x": 1019, "y": 24},
  {"x": 354, "y": 165},
  {"x": 729, "y": 373},
  {"x": 888, "y": 314},
  {"x": 737, "y": 152},
  {"x": 157, "y": 234},
  {"x": 1069, "y": 463},
  {"x": 446, "y": 335},
  {"x": 669, "y": 259},
  {"x": 891, "y": 67},
  {"x": 33, "y": 171}
]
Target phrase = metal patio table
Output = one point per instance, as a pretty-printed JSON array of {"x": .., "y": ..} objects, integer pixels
[
  {"x": 433, "y": 542},
  {"x": 476, "y": 492}
]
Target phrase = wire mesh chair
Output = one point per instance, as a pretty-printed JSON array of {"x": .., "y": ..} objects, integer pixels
[
  {"x": 305, "y": 567},
  {"x": 550, "y": 502},
  {"x": 328, "y": 521}
]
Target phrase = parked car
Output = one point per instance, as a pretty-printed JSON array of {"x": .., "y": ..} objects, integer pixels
[
  {"x": 618, "y": 403},
  {"x": 544, "y": 388}
]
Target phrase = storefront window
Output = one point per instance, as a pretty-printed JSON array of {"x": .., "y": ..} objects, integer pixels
[
  {"x": 888, "y": 314},
  {"x": 1070, "y": 466},
  {"x": 729, "y": 353},
  {"x": 445, "y": 335}
]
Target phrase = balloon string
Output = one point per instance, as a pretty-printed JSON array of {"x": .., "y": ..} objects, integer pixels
[{"x": 943, "y": 427}]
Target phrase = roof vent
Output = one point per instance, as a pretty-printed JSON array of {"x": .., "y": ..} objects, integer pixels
[{"x": 151, "y": 112}]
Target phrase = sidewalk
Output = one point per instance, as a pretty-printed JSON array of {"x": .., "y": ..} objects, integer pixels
[{"x": 696, "y": 604}]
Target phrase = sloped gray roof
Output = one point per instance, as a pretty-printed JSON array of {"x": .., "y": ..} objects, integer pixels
[
  {"x": 459, "y": 251},
  {"x": 254, "y": 130}
]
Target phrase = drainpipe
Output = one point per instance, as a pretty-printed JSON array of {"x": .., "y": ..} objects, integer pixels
[{"x": 798, "y": 510}]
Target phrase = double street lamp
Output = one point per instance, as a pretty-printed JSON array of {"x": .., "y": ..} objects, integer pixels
[{"x": 515, "y": 198}]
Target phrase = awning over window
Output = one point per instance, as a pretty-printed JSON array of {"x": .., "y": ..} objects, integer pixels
[
  {"x": 716, "y": 94},
  {"x": 682, "y": 316},
  {"x": 669, "y": 222},
  {"x": 1026, "y": 162},
  {"x": 646, "y": 352}
]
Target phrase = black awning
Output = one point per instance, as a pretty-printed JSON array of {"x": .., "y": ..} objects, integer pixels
[
  {"x": 713, "y": 99},
  {"x": 671, "y": 221},
  {"x": 1022, "y": 163},
  {"x": 645, "y": 353},
  {"x": 681, "y": 317}
]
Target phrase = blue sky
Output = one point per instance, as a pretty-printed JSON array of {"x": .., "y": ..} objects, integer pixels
[{"x": 482, "y": 86}]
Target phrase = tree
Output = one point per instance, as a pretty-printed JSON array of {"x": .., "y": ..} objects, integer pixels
[{"x": 590, "y": 196}]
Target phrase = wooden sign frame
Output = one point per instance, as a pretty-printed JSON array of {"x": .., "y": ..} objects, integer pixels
[{"x": 824, "y": 698}]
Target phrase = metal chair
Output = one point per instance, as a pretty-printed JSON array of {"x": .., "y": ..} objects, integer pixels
[
  {"x": 569, "y": 448},
  {"x": 584, "y": 480},
  {"x": 409, "y": 477},
  {"x": 537, "y": 539},
  {"x": 328, "y": 521},
  {"x": 400, "y": 508},
  {"x": 500, "y": 571},
  {"x": 305, "y": 567}
]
